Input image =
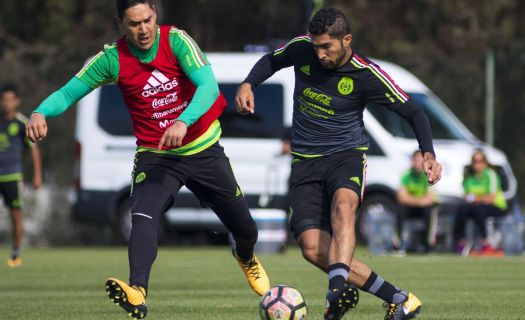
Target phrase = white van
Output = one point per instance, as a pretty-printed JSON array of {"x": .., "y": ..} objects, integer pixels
[{"x": 106, "y": 147}]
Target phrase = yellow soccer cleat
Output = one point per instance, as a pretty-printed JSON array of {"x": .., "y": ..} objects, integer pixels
[
  {"x": 406, "y": 310},
  {"x": 254, "y": 272},
  {"x": 14, "y": 262},
  {"x": 130, "y": 298}
]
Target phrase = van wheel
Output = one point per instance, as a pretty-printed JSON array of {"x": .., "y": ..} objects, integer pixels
[
  {"x": 376, "y": 209},
  {"x": 122, "y": 224}
]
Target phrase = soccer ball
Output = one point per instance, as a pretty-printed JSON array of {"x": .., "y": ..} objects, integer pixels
[{"x": 283, "y": 303}]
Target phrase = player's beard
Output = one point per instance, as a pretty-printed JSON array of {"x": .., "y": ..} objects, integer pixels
[{"x": 337, "y": 63}]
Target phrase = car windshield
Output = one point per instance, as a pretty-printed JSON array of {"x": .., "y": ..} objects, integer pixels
[
  {"x": 266, "y": 122},
  {"x": 444, "y": 126}
]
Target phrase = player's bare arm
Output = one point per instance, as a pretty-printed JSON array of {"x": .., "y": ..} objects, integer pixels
[
  {"x": 36, "y": 128},
  {"x": 244, "y": 99},
  {"x": 37, "y": 166}
]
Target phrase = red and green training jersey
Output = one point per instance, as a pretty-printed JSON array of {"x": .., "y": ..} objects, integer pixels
[{"x": 156, "y": 88}]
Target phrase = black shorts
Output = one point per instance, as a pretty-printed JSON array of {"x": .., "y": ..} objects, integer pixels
[
  {"x": 207, "y": 174},
  {"x": 11, "y": 192},
  {"x": 314, "y": 182}
]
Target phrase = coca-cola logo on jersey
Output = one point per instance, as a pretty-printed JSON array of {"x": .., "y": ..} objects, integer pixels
[{"x": 167, "y": 100}]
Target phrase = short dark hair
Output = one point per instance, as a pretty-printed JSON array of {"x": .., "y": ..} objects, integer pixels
[
  {"x": 329, "y": 20},
  {"x": 9, "y": 88},
  {"x": 123, "y": 5}
]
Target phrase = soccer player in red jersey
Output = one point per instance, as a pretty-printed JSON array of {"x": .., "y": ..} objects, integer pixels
[{"x": 174, "y": 102}]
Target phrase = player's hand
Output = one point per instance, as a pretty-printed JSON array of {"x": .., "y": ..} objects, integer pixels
[
  {"x": 36, "y": 127},
  {"x": 37, "y": 181},
  {"x": 244, "y": 99},
  {"x": 432, "y": 168},
  {"x": 173, "y": 136}
]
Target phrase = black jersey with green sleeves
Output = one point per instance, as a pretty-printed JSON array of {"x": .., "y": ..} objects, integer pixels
[
  {"x": 329, "y": 104},
  {"x": 12, "y": 143}
]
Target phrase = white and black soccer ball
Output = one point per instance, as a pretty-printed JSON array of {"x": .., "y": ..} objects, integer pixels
[{"x": 283, "y": 303}]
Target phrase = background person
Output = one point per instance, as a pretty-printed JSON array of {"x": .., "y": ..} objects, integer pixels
[
  {"x": 416, "y": 200},
  {"x": 12, "y": 143},
  {"x": 483, "y": 198}
]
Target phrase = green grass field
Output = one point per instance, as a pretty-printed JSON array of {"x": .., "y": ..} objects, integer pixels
[{"x": 206, "y": 283}]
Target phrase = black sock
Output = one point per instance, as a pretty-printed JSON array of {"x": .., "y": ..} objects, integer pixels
[
  {"x": 337, "y": 276},
  {"x": 244, "y": 253},
  {"x": 383, "y": 289}
]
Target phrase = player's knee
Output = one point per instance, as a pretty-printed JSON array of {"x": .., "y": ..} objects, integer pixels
[{"x": 344, "y": 210}]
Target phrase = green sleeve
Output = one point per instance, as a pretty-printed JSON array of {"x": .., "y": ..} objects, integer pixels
[
  {"x": 187, "y": 52},
  {"x": 204, "y": 97},
  {"x": 195, "y": 65},
  {"x": 59, "y": 101},
  {"x": 103, "y": 68},
  {"x": 493, "y": 181},
  {"x": 466, "y": 188},
  {"x": 404, "y": 179}
]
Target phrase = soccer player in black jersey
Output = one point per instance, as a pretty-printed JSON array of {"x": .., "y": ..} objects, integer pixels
[
  {"x": 13, "y": 143},
  {"x": 333, "y": 84}
]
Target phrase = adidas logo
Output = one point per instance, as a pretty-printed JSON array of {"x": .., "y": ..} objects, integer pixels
[
  {"x": 238, "y": 192},
  {"x": 305, "y": 69},
  {"x": 356, "y": 180},
  {"x": 158, "y": 82}
]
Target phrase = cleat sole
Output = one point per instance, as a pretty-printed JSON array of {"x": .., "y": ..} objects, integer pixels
[{"x": 118, "y": 296}]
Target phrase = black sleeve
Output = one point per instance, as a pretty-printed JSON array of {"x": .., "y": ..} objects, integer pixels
[
  {"x": 380, "y": 89},
  {"x": 262, "y": 70},
  {"x": 417, "y": 118},
  {"x": 274, "y": 61}
]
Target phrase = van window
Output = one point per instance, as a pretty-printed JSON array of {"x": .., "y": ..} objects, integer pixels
[
  {"x": 268, "y": 120},
  {"x": 113, "y": 115},
  {"x": 373, "y": 149},
  {"x": 443, "y": 126}
]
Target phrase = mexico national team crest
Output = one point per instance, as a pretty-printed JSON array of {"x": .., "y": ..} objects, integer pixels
[
  {"x": 345, "y": 86},
  {"x": 140, "y": 177},
  {"x": 13, "y": 129}
]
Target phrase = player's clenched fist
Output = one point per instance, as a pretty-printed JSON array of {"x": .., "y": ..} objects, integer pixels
[
  {"x": 244, "y": 100},
  {"x": 36, "y": 128}
]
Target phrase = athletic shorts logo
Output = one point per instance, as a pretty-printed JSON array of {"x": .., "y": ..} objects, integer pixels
[
  {"x": 13, "y": 129},
  {"x": 158, "y": 82},
  {"x": 345, "y": 86},
  {"x": 140, "y": 177}
]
